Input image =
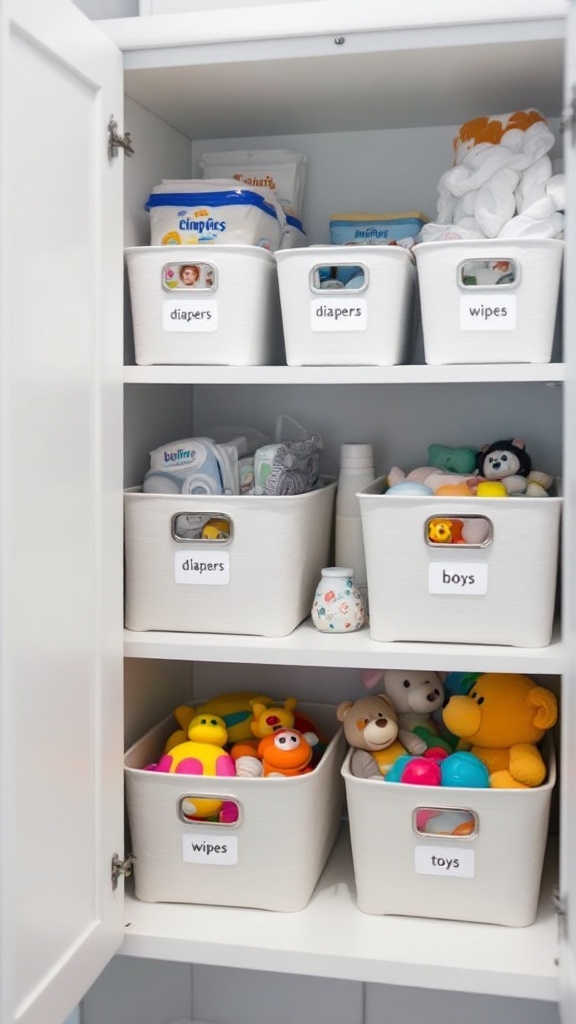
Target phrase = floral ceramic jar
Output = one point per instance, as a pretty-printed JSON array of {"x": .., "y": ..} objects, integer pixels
[{"x": 338, "y": 606}]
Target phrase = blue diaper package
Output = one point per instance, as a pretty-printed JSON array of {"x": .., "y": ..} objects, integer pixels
[{"x": 374, "y": 229}]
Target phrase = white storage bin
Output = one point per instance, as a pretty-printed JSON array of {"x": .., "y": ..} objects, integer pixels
[
  {"x": 468, "y": 317},
  {"x": 229, "y": 315},
  {"x": 275, "y": 851},
  {"x": 367, "y": 325},
  {"x": 491, "y": 876},
  {"x": 500, "y": 593},
  {"x": 260, "y": 581}
]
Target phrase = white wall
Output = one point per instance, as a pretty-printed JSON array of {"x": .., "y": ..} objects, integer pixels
[{"x": 134, "y": 991}]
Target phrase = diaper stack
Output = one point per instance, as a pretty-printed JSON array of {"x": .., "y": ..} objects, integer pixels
[
  {"x": 205, "y": 290},
  {"x": 228, "y": 533},
  {"x": 230, "y": 277}
]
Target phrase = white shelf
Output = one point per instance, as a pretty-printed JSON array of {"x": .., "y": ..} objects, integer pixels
[
  {"x": 280, "y": 57},
  {"x": 332, "y": 938},
  {"x": 546, "y": 373},
  {"x": 307, "y": 646},
  {"x": 425, "y": 53}
]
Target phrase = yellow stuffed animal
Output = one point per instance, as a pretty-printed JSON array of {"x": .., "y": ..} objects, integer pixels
[{"x": 501, "y": 720}]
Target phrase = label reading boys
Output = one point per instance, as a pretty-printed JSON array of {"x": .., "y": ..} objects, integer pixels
[{"x": 453, "y": 578}]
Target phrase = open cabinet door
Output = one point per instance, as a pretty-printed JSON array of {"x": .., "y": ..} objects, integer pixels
[
  {"x": 568, "y": 794},
  {"x": 60, "y": 508}
]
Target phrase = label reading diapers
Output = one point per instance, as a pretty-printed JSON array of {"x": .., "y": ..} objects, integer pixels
[
  {"x": 451, "y": 578},
  {"x": 206, "y": 567},
  {"x": 441, "y": 860},
  {"x": 341, "y": 314},
  {"x": 489, "y": 312},
  {"x": 193, "y": 315},
  {"x": 205, "y": 849}
]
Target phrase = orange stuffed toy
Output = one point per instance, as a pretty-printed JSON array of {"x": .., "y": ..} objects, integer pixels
[
  {"x": 501, "y": 720},
  {"x": 286, "y": 752}
]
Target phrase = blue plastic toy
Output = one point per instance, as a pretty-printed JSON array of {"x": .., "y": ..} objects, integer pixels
[
  {"x": 461, "y": 769},
  {"x": 464, "y": 769}
]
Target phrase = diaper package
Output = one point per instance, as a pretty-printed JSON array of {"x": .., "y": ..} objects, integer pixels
[
  {"x": 294, "y": 235},
  {"x": 373, "y": 229},
  {"x": 194, "y": 465},
  {"x": 277, "y": 169},
  {"x": 288, "y": 467},
  {"x": 238, "y": 460},
  {"x": 376, "y": 228},
  {"x": 214, "y": 212}
]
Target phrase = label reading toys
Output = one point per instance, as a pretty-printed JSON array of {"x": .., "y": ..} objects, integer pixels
[
  {"x": 452, "y": 578},
  {"x": 205, "y": 849},
  {"x": 489, "y": 312},
  {"x": 451, "y": 862},
  {"x": 192, "y": 315},
  {"x": 205, "y": 567},
  {"x": 342, "y": 314}
]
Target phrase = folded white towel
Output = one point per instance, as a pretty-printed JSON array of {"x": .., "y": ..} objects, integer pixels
[{"x": 498, "y": 185}]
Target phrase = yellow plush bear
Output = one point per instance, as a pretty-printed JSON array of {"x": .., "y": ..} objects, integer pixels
[{"x": 501, "y": 720}]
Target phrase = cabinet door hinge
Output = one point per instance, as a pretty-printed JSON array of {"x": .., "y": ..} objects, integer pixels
[
  {"x": 560, "y": 905},
  {"x": 117, "y": 141},
  {"x": 121, "y": 867},
  {"x": 568, "y": 117}
]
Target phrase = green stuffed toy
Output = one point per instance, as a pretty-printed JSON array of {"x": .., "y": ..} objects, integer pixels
[{"x": 455, "y": 460}]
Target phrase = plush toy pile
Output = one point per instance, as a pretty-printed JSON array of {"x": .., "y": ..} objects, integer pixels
[
  {"x": 239, "y": 734},
  {"x": 500, "y": 469},
  {"x": 462, "y": 729}
]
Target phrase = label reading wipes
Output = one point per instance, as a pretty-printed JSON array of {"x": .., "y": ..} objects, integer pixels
[
  {"x": 487, "y": 312},
  {"x": 193, "y": 315},
  {"x": 205, "y": 567},
  {"x": 342, "y": 314},
  {"x": 206, "y": 849},
  {"x": 451, "y": 862},
  {"x": 451, "y": 578}
]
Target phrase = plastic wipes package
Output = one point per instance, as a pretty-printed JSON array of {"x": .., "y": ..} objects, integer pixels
[
  {"x": 202, "y": 212},
  {"x": 277, "y": 169}
]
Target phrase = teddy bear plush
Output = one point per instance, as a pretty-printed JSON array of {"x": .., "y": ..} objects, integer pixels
[
  {"x": 501, "y": 720},
  {"x": 415, "y": 696},
  {"x": 371, "y": 728},
  {"x": 508, "y": 462}
]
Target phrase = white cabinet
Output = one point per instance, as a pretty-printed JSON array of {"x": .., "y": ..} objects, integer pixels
[{"x": 372, "y": 97}]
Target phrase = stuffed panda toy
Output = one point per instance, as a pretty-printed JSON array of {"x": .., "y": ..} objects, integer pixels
[{"x": 509, "y": 462}]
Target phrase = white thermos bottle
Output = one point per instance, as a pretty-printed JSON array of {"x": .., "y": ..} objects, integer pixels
[{"x": 356, "y": 472}]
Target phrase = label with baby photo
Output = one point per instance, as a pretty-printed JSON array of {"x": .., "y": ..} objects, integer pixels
[
  {"x": 450, "y": 578},
  {"x": 487, "y": 312},
  {"x": 341, "y": 314},
  {"x": 192, "y": 315}
]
